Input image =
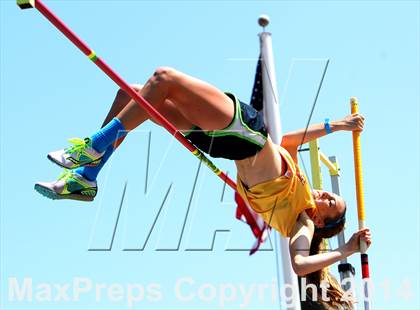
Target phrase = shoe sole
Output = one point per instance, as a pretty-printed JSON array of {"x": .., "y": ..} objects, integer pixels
[
  {"x": 91, "y": 164},
  {"x": 46, "y": 192}
]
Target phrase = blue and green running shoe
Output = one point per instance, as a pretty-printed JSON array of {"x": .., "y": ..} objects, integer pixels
[
  {"x": 69, "y": 185},
  {"x": 81, "y": 153}
]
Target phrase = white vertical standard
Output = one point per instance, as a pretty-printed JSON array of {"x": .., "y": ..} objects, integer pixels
[{"x": 271, "y": 112}]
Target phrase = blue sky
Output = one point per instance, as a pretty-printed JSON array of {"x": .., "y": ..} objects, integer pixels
[{"x": 50, "y": 92}]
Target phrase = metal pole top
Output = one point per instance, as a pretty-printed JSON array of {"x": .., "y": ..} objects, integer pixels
[{"x": 263, "y": 21}]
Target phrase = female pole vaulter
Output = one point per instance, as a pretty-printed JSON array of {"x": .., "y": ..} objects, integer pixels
[{"x": 268, "y": 176}]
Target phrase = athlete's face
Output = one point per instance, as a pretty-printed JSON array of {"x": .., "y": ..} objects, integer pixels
[{"x": 328, "y": 205}]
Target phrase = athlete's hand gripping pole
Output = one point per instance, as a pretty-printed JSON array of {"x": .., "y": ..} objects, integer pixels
[{"x": 360, "y": 203}]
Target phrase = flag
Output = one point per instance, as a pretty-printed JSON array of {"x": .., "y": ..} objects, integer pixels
[
  {"x": 258, "y": 227},
  {"x": 257, "y": 96},
  {"x": 244, "y": 212}
]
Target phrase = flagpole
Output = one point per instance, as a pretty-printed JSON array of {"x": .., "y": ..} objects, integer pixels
[{"x": 271, "y": 112}]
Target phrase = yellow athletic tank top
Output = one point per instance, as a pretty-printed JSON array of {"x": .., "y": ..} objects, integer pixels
[{"x": 280, "y": 201}]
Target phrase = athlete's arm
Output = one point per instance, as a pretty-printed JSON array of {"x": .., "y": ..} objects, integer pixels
[
  {"x": 300, "y": 243},
  {"x": 293, "y": 139}
]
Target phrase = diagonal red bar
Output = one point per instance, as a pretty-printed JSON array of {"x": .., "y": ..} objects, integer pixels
[
  {"x": 122, "y": 84},
  {"x": 141, "y": 101}
]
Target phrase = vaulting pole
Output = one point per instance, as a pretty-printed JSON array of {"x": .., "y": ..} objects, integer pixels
[
  {"x": 272, "y": 121},
  {"x": 357, "y": 151},
  {"x": 37, "y": 4}
]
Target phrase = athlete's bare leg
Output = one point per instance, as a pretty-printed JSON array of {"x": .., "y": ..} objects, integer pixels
[
  {"x": 167, "y": 109},
  {"x": 191, "y": 101}
]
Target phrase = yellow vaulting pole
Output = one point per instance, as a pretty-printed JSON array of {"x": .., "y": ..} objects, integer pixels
[{"x": 357, "y": 151}]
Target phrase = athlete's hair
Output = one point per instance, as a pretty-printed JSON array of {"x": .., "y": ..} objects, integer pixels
[{"x": 319, "y": 245}]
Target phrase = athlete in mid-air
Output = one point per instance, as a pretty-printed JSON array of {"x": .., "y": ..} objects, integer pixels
[{"x": 217, "y": 123}]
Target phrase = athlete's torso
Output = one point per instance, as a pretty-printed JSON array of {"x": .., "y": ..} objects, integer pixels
[
  {"x": 265, "y": 165},
  {"x": 278, "y": 197}
]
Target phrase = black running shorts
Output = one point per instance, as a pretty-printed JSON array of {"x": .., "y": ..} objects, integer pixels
[{"x": 244, "y": 137}]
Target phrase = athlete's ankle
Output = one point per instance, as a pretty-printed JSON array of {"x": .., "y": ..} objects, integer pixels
[{"x": 107, "y": 135}]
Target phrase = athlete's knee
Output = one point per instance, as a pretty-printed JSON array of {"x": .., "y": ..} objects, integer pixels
[
  {"x": 121, "y": 93},
  {"x": 164, "y": 75}
]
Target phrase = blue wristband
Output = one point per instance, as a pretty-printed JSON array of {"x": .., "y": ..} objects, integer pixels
[{"x": 327, "y": 126}]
